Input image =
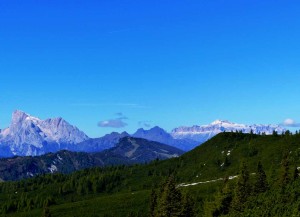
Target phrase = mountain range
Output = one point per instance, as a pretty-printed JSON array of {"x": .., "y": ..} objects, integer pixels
[
  {"x": 127, "y": 151},
  {"x": 31, "y": 136},
  {"x": 205, "y": 132}
]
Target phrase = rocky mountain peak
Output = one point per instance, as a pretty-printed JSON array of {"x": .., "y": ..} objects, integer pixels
[
  {"x": 28, "y": 135},
  {"x": 19, "y": 116}
]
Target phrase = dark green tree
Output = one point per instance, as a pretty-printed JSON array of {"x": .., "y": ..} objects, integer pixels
[
  {"x": 169, "y": 204},
  {"x": 153, "y": 203},
  {"x": 223, "y": 201},
  {"x": 261, "y": 184},
  {"x": 187, "y": 206},
  {"x": 285, "y": 167},
  {"x": 226, "y": 162},
  {"x": 46, "y": 212},
  {"x": 251, "y": 132},
  {"x": 296, "y": 173},
  {"x": 242, "y": 189}
]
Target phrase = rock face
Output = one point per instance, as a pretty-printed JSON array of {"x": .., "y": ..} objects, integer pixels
[
  {"x": 30, "y": 136},
  {"x": 205, "y": 132}
]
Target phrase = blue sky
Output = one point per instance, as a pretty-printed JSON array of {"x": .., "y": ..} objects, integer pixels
[{"x": 166, "y": 63}]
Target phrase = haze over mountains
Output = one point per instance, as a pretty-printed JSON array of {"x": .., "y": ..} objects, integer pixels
[{"x": 31, "y": 136}]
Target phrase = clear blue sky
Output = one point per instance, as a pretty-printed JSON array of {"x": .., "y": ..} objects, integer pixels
[{"x": 168, "y": 63}]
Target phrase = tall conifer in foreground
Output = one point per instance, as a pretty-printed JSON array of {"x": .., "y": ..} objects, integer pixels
[
  {"x": 153, "y": 203},
  {"x": 187, "y": 206},
  {"x": 169, "y": 204},
  {"x": 223, "y": 201},
  {"x": 296, "y": 173},
  {"x": 261, "y": 184},
  {"x": 285, "y": 167},
  {"x": 242, "y": 189}
]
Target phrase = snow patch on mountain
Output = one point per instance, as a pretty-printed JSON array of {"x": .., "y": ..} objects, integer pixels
[{"x": 52, "y": 168}]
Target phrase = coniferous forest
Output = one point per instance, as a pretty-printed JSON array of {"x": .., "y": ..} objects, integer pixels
[{"x": 258, "y": 178}]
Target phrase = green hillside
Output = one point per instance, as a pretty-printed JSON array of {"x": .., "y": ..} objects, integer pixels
[{"x": 125, "y": 190}]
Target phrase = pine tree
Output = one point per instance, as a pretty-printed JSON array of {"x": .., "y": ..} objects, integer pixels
[
  {"x": 46, "y": 212},
  {"x": 296, "y": 174},
  {"x": 261, "y": 184},
  {"x": 226, "y": 162},
  {"x": 223, "y": 201},
  {"x": 285, "y": 167},
  {"x": 187, "y": 206},
  {"x": 242, "y": 189},
  {"x": 251, "y": 132},
  {"x": 153, "y": 203},
  {"x": 169, "y": 204}
]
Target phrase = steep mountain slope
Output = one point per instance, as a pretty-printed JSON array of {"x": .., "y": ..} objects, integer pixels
[
  {"x": 63, "y": 162},
  {"x": 127, "y": 151},
  {"x": 205, "y": 132},
  {"x": 141, "y": 150},
  {"x": 30, "y": 136}
]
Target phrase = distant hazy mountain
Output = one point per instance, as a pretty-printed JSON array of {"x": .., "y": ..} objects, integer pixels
[
  {"x": 28, "y": 135},
  {"x": 160, "y": 135},
  {"x": 128, "y": 151},
  {"x": 205, "y": 132},
  {"x": 100, "y": 144}
]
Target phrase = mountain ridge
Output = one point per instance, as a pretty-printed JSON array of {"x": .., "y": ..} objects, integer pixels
[
  {"x": 31, "y": 136},
  {"x": 128, "y": 151},
  {"x": 205, "y": 132}
]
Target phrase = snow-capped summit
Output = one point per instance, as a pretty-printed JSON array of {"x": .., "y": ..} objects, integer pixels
[
  {"x": 28, "y": 135},
  {"x": 205, "y": 132},
  {"x": 218, "y": 122}
]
